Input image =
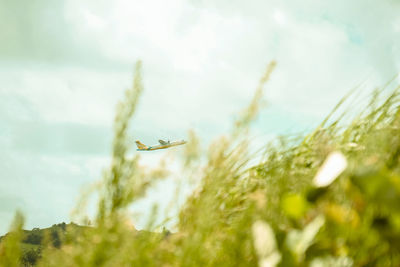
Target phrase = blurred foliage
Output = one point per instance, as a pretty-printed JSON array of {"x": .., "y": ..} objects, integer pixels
[{"x": 270, "y": 214}]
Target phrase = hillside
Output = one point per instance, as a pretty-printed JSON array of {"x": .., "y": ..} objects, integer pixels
[{"x": 35, "y": 240}]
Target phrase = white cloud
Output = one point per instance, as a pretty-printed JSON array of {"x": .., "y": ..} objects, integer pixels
[
  {"x": 280, "y": 17},
  {"x": 67, "y": 94}
]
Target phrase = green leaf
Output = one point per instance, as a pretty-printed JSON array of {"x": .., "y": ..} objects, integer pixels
[{"x": 294, "y": 205}]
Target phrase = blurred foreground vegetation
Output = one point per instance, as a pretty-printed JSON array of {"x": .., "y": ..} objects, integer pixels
[{"x": 329, "y": 198}]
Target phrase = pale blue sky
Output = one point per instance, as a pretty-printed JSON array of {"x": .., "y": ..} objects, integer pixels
[{"x": 65, "y": 64}]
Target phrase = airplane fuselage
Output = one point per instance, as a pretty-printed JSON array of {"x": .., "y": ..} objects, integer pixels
[{"x": 157, "y": 147}]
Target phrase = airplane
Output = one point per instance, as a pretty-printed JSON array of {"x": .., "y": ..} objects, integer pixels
[{"x": 163, "y": 144}]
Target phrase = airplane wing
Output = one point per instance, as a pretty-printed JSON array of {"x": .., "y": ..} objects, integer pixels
[{"x": 162, "y": 142}]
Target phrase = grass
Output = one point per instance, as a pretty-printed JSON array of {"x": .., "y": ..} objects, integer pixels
[{"x": 276, "y": 213}]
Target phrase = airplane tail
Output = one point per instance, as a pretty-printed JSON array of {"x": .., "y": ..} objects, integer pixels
[{"x": 140, "y": 145}]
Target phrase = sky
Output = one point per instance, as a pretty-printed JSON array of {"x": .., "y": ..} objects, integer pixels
[{"x": 64, "y": 65}]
